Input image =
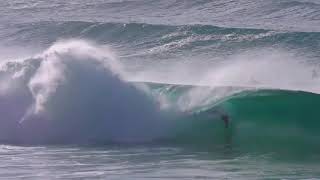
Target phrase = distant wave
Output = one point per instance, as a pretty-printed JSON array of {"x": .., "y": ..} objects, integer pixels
[
  {"x": 159, "y": 38},
  {"x": 278, "y": 15}
]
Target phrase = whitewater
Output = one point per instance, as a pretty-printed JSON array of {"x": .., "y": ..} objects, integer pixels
[{"x": 139, "y": 89}]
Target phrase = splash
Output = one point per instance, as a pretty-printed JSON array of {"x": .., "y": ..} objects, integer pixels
[
  {"x": 216, "y": 80},
  {"x": 74, "y": 92}
]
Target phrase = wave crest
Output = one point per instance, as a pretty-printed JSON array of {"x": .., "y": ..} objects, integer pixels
[{"x": 75, "y": 92}]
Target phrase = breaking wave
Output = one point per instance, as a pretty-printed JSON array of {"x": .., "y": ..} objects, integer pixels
[
  {"x": 73, "y": 92},
  {"x": 76, "y": 91}
]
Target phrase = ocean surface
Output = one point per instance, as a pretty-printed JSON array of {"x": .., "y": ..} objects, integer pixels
[{"x": 149, "y": 89}]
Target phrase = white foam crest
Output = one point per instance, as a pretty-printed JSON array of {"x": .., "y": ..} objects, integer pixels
[
  {"x": 51, "y": 72},
  {"x": 46, "y": 80},
  {"x": 265, "y": 69},
  {"x": 75, "y": 92},
  {"x": 255, "y": 69}
]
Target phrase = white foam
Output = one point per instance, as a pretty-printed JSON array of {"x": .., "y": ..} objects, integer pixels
[{"x": 75, "y": 91}]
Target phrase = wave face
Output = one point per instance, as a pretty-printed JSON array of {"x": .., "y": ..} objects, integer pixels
[{"x": 259, "y": 119}]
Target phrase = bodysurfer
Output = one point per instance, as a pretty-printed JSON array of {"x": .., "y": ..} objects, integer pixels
[
  {"x": 215, "y": 114},
  {"x": 225, "y": 119},
  {"x": 223, "y": 115}
]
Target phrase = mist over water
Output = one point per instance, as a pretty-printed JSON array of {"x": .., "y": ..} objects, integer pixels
[{"x": 74, "y": 92}]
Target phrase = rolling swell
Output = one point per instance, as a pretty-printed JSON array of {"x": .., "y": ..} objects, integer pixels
[
  {"x": 156, "y": 39},
  {"x": 272, "y": 14}
]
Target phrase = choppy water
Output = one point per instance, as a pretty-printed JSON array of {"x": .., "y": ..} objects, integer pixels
[
  {"x": 145, "y": 162},
  {"x": 136, "y": 89}
]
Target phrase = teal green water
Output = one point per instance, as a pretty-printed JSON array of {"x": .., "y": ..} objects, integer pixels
[{"x": 275, "y": 121}]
